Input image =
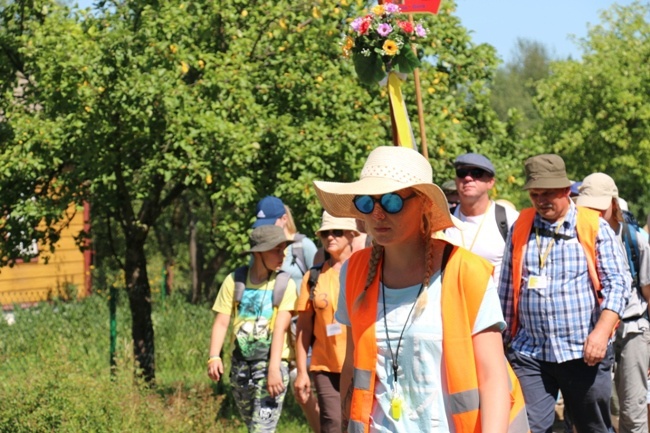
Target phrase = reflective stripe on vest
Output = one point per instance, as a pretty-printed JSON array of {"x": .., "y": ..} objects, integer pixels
[
  {"x": 356, "y": 427},
  {"x": 465, "y": 401},
  {"x": 362, "y": 379},
  {"x": 466, "y": 277},
  {"x": 587, "y": 229}
]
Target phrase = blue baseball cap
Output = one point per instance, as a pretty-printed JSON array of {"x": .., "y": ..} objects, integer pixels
[
  {"x": 575, "y": 188},
  {"x": 268, "y": 210},
  {"x": 475, "y": 160}
]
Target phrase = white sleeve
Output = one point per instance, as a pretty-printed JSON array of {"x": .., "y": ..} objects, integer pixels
[{"x": 489, "y": 314}]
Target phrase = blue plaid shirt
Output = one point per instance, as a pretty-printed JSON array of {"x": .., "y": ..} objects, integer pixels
[{"x": 554, "y": 322}]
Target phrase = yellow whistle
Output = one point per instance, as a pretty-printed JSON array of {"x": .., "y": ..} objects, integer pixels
[{"x": 396, "y": 408}]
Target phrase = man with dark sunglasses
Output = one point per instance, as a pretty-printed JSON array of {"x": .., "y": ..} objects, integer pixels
[{"x": 485, "y": 223}]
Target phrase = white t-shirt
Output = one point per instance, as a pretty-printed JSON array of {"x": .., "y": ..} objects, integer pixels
[
  {"x": 481, "y": 235},
  {"x": 420, "y": 382}
]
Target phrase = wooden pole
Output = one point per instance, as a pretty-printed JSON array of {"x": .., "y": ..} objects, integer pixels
[{"x": 418, "y": 97}]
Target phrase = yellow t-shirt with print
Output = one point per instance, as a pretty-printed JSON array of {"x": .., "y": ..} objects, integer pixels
[{"x": 252, "y": 324}]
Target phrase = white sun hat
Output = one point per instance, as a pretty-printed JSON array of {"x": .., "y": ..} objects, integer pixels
[{"x": 387, "y": 169}]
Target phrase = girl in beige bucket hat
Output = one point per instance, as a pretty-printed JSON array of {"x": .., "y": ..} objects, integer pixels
[{"x": 405, "y": 326}]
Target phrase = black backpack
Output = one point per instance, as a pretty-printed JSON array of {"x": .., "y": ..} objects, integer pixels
[{"x": 502, "y": 220}]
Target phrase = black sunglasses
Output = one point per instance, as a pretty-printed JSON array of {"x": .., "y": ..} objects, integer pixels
[
  {"x": 336, "y": 233},
  {"x": 475, "y": 173},
  {"x": 390, "y": 203}
]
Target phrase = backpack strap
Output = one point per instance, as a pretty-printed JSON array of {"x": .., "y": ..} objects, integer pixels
[
  {"x": 445, "y": 256},
  {"x": 281, "y": 283},
  {"x": 298, "y": 253},
  {"x": 240, "y": 282},
  {"x": 314, "y": 273},
  {"x": 502, "y": 220},
  {"x": 632, "y": 250}
]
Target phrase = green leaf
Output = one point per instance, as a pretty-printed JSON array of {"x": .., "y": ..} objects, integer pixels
[
  {"x": 370, "y": 69},
  {"x": 407, "y": 61}
]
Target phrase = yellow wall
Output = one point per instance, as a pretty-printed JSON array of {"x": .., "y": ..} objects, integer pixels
[{"x": 37, "y": 281}]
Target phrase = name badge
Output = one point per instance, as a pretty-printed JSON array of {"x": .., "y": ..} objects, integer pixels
[
  {"x": 334, "y": 329},
  {"x": 537, "y": 282}
]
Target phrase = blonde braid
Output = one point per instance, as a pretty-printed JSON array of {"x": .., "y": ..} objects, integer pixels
[
  {"x": 429, "y": 253},
  {"x": 373, "y": 264}
]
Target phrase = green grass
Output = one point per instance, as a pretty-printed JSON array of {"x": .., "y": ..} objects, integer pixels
[{"x": 55, "y": 374}]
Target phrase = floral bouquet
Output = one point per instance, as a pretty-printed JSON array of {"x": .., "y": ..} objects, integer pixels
[{"x": 379, "y": 43}]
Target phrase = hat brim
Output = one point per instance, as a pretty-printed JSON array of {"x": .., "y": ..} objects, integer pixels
[
  {"x": 338, "y": 227},
  {"x": 547, "y": 183},
  {"x": 336, "y": 197},
  {"x": 485, "y": 168},
  {"x": 264, "y": 222},
  {"x": 602, "y": 202},
  {"x": 266, "y": 246}
]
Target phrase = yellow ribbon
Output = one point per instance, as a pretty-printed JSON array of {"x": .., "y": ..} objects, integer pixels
[{"x": 404, "y": 132}]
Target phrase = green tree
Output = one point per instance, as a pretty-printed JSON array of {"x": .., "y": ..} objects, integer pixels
[
  {"x": 596, "y": 112},
  {"x": 514, "y": 86},
  {"x": 144, "y": 109}
]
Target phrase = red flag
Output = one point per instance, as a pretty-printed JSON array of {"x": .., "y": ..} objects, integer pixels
[{"x": 419, "y": 6}]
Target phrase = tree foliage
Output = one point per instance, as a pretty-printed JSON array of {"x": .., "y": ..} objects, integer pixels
[
  {"x": 596, "y": 112},
  {"x": 151, "y": 109},
  {"x": 514, "y": 85}
]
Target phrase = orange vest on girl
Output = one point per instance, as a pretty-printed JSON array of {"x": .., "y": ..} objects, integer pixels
[
  {"x": 587, "y": 229},
  {"x": 463, "y": 286}
]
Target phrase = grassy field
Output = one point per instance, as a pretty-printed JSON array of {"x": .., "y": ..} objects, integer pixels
[{"x": 55, "y": 375}]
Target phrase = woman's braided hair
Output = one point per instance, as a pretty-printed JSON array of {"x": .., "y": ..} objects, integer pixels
[{"x": 378, "y": 252}]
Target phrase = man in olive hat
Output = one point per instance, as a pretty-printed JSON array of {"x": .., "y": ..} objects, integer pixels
[{"x": 564, "y": 285}]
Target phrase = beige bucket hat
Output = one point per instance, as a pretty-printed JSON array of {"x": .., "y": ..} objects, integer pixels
[
  {"x": 330, "y": 222},
  {"x": 387, "y": 169},
  {"x": 597, "y": 191}
]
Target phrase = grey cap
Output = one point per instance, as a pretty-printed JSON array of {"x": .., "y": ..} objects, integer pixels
[
  {"x": 265, "y": 238},
  {"x": 475, "y": 160}
]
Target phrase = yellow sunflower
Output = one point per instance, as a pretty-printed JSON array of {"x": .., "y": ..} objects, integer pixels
[{"x": 390, "y": 47}]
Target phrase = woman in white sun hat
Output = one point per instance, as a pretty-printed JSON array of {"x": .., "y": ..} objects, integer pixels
[
  {"x": 317, "y": 328},
  {"x": 426, "y": 351}
]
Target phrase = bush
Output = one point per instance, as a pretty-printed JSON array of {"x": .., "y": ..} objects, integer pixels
[{"x": 55, "y": 373}]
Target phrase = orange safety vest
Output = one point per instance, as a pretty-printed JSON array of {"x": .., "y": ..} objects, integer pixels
[
  {"x": 463, "y": 287},
  {"x": 587, "y": 228}
]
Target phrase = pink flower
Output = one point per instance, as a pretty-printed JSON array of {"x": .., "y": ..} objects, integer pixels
[
  {"x": 356, "y": 24},
  {"x": 406, "y": 26},
  {"x": 384, "y": 29},
  {"x": 363, "y": 27},
  {"x": 420, "y": 31},
  {"x": 391, "y": 8}
]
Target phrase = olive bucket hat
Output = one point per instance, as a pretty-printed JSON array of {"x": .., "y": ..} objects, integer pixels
[
  {"x": 265, "y": 238},
  {"x": 546, "y": 171}
]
